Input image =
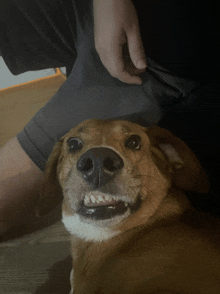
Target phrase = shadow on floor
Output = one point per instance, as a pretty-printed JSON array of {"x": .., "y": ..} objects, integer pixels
[
  {"x": 59, "y": 278},
  {"x": 33, "y": 225}
]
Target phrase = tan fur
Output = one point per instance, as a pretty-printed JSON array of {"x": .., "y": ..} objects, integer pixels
[{"x": 165, "y": 246}]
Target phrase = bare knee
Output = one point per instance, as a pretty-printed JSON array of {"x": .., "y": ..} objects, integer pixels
[{"x": 20, "y": 181}]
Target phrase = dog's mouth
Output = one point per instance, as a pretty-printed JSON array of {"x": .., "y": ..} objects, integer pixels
[{"x": 100, "y": 206}]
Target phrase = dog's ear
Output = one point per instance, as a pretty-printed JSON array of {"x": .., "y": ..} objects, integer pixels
[
  {"x": 51, "y": 192},
  {"x": 187, "y": 171}
]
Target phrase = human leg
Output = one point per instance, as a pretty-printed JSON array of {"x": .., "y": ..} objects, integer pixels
[{"x": 20, "y": 182}]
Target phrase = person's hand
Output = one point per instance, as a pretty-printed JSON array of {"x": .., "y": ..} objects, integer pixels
[{"x": 118, "y": 40}]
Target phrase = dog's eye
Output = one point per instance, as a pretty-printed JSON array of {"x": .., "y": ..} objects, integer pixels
[
  {"x": 133, "y": 142},
  {"x": 74, "y": 144}
]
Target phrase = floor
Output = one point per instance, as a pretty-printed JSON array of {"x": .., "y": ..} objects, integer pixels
[
  {"x": 34, "y": 259},
  {"x": 36, "y": 263}
]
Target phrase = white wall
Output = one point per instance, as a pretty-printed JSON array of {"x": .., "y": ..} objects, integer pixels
[{"x": 7, "y": 79}]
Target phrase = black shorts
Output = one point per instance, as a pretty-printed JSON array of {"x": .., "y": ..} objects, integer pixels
[{"x": 180, "y": 89}]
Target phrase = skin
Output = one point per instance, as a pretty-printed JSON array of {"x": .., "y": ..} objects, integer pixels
[{"x": 20, "y": 180}]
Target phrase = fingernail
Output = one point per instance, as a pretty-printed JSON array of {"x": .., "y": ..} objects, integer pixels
[{"x": 141, "y": 63}]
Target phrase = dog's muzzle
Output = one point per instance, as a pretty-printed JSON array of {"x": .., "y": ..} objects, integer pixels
[{"x": 98, "y": 166}]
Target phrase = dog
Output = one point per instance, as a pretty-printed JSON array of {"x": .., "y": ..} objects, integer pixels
[{"x": 133, "y": 229}]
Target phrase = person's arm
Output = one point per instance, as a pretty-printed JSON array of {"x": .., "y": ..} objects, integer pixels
[{"x": 118, "y": 40}]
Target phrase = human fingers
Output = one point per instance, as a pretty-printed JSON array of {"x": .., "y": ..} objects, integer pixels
[
  {"x": 118, "y": 63},
  {"x": 136, "y": 48}
]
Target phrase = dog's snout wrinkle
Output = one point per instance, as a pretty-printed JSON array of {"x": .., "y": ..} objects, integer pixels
[{"x": 99, "y": 165}]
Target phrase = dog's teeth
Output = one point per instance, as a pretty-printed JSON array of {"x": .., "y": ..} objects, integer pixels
[
  {"x": 100, "y": 199},
  {"x": 86, "y": 200},
  {"x": 108, "y": 198},
  {"x": 93, "y": 199}
]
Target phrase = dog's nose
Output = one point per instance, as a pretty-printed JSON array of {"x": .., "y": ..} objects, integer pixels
[{"x": 99, "y": 165}]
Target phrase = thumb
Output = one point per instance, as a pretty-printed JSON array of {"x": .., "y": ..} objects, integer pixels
[{"x": 136, "y": 49}]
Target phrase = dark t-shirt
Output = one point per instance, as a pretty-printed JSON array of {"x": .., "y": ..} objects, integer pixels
[{"x": 183, "y": 36}]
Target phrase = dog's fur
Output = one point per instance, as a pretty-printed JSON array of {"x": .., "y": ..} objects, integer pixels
[{"x": 165, "y": 245}]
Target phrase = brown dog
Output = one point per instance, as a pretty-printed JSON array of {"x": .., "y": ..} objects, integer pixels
[{"x": 132, "y": 227}]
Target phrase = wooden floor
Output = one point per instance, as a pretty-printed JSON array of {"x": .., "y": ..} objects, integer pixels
[{"x": 37, "y": 263}]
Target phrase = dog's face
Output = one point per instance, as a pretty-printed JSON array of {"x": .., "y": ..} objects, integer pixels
[{"x": 116, "y": 174}]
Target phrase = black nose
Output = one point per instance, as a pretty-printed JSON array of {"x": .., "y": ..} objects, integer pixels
[{"x": 99, "y": 165}]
